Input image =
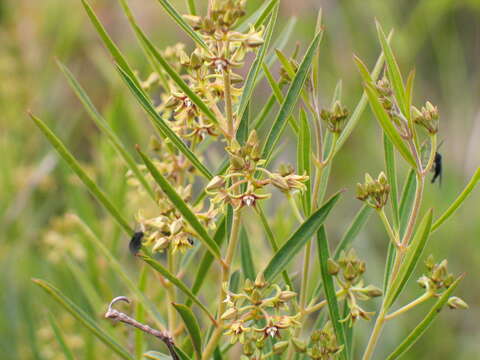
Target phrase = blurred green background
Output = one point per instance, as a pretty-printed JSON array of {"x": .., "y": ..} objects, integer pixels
[{"x": 440, "y": 38}]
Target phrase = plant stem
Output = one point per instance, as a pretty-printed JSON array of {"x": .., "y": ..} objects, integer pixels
[
  {"x": 433, "y": 151},
  {"x": 340, "y": 294},
  {"x": 228, "y": 103},
  {"x": 426, "y": 296},
  {"x": 295, "y": 209},
  {"x": 377, "y": 329},
  {"x": 232, "y": 245}
]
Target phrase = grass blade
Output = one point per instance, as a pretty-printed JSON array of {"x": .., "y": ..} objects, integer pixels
[
  {"x": 406, "y": 202},
  {"x": 459, "y": 201},
  {"x": 181, "y": 206},
  {"x": 246, "y": 257},
  {"x": 244, "y": 126},
  {"x": 250, "y": 81},
  {"x": 330, "y": 293},
  {"x": 174, "y": 14},
  {"x": 175, "y": 281},
  {"x": 155, "y": 355},
  {"x": 89, "y": 183},
  {"x": 60, "y": 339},
  {"x": 258, "y": 17},
  {"x": 165, "y": 130},
  {"x": 291, "y": 98},
  {"x": 192, "y": 326},
  {"x": 83, "y": 318},
  {"x": 412, "y": 257},
  {"x": 386, "y": 124},
  {"x": 192, "y": 7},
  {"x": 420, "y": 329},
  {"x": 392, "y": 177},
  {"x": 105, "y": 128},
  {"x": 296, "y": 242}
]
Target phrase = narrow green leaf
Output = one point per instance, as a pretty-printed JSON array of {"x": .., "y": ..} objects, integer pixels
[
  {"x": 174, "y": 14},
  {"x": 165, "y": 130},
  {"x": 155, "y": 355},
  {"x": 389, "y": 129},
  {"x": 362, "y": 103},
  {"x": 140, "y": 312},
  {"x": 60, "y": 339},
  {"x": 244, "y": 126},
  {"x": 175, "y": 281},
  {"x": 406, "y": 201},
  {"x": 393, "y": 71},
  {"x": 118, "y": 269},
  {"x": 192, "y": 7},
  {"x": 234, "y": 283},
  {"x": 155, "y": 54},
  {"x": 249, "y": 84},
  {"x": 304, "y": 159},
  {"x": 207, "y": 260},
  {"x": 409, "y": 96},
  {"x": 291, "y": 98},
  {"x": 283, "y": 39},
  {"x": 84, "y": 319},
  {"x": 108, "y": 42},
  {"x": 89, "y": 183},
  {"x": 246, "y": 256},
  {"x": 192, "y": 326},
  {"x": 263, "y": 114},
  {"x": 420, "y": 329},
  {"x": 330, "y": 293},
  {"x": 459, "y": 201},
  {"x": 296, "y": 242},
  {"x": 258, "y": 17},
  {"x": 277, "y": 92},
  {"x": 412, "y": 257},
  {"x": 105, "y": 128},
  {"x": 181, "y": 206}
]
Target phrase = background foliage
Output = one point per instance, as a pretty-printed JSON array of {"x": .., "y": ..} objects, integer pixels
[{"x": 441, "y": 38}]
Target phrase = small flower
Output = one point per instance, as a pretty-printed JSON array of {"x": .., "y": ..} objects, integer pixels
[
  {"x": 455, "y": 302},
  {"x": 336, "y": 117},
  {"x": 427, "y": 117},
  {"x": 374, "y": 192}
]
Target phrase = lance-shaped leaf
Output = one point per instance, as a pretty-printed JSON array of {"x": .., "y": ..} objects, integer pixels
[
  {"x": 459, "y": 201},
  {"x": 181, "y": 206},
  {"x": 250, "y": 81},
  {"x": 304, "y": 159},
  {"x": 89, "y": 183},
  {"x": 393, "y": 71},
  {"x": 291, "y": 98},
  {"x": 60, "y": 338},
  {"x": 162, "y": 126},
  {"x": 177, "y": 282},
  {"x": 296, "y": 242},
  {"x": 387, "y": 125},
  {"x": 192, "y": 7},
  {"x": 246, "y": 256},
  {"x": 414, "y": 252},
  {"x": 157, "y": 57},
  {"x": 175, "y": 15},
  {"x": 330, "y": 293},
  {"x": 258, "y": 16},
  {"x": 83, "y": 318},
  {"x": 105, "y": 128},
  {"x": 192, "y": 326},
  {"x": 108, "y": 42},
  {"x": 420, "y": 329}
]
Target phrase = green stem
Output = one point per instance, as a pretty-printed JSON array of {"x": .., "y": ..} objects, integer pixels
[
  {"x": 433, "y": 151},
  {"x": 232, "y": 245},
  {"x": 171, "y": 292},
  {"x": 391, "y": 234},
  {"x": 228, "y": 103},
  {"x": 426, "y": 296},
  {"x": 295, "y": 209}
]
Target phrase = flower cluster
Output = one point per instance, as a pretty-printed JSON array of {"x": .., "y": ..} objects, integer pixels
[
  {"x": 257, "y": 313},
  {"x": 374, "y": 192},
  {"x": 335, "y": 118},
  {"x": 242, "y": 186},
  {"x": 427, "y": 117},
  {"x": 323, "y": 344},
  {"x": 348, "y": 272},
  {"x": 437, "y": 276},
  {"x": 163, "y": 226}
]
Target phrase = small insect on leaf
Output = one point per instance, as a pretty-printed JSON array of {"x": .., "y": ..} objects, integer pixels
[{"x": 136, "y": 242}]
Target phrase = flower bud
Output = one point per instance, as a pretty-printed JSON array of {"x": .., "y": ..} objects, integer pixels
[
  {"x": 217, "y": 182},
  {"x": 299, "y": 345},
  {"x": 280, "y": 347},
  {"x": 373, "y": 291},
  {"x": 333, "y": 267},
  {"x": 229, "y": 314},
  {"x": 455, "y": 302}
]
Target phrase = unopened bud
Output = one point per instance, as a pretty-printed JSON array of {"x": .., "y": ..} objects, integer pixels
[{"x": 455, "y": 302}]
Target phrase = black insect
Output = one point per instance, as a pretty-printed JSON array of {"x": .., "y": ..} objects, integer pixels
[
  {"x": 437, "y": 168},
  {"x": 191, "y": 241},
  {"x": 136, "y": 242}
]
